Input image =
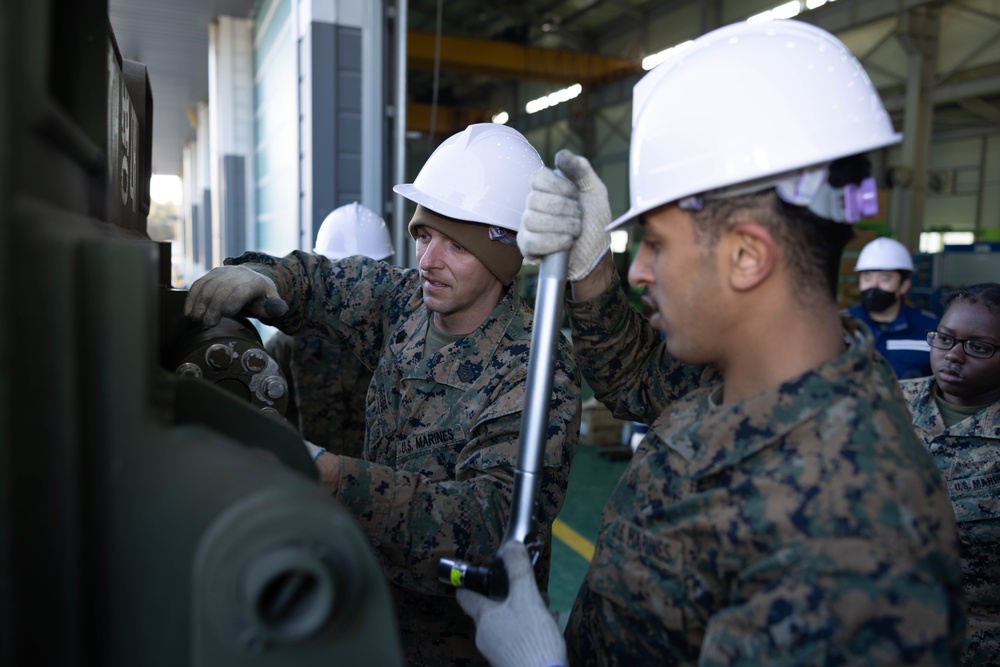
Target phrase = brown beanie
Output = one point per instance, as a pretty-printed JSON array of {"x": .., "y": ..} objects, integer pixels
[{"x": 500, "y": 259}]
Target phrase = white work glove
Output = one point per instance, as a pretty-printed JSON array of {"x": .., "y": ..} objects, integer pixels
[
  {"x": 520, "y": 631},
  {"x": 228, "y": 290},
  {"x": 563, "y": 214}
]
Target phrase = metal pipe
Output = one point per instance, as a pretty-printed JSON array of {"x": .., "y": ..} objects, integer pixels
[
  {"x": 400, "y": 238},
  {"x": 373, "y": 120},
  {"x": 522, "y": 524}
]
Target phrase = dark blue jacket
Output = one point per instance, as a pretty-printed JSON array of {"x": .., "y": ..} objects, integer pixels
[{"x": 903, "y": 341}]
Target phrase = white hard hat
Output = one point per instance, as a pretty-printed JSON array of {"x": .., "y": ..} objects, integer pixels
[
  {"x": 353, "y": 229},
  {"x": 884, "y": 254},
  {"x": 746, "y": 106},
  {"x": 482, "y": 174}
]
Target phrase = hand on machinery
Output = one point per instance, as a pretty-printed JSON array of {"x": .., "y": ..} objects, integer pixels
[
  {"x": 518, "y": 631},
  {"x": 563, "y": 214},
  {"x": 229, "y": 290}
]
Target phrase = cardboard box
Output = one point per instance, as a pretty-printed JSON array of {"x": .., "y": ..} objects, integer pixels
[{"x": 599, "y": 427}]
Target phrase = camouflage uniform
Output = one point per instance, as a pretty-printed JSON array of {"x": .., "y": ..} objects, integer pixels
[
  {"x": 442, "y": 437},
  {"x": 968, "y": 453},
  {"x": 328, "y": 386},
  {"x": 804, "y": 525}
]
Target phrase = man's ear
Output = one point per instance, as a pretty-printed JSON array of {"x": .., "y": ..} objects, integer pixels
[{"x": 752, "y": 255}]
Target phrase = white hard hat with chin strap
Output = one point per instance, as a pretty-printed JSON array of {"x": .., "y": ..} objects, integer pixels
[
  {"x": 481, "y": 174},
  {"x": 753, "y": 106}
]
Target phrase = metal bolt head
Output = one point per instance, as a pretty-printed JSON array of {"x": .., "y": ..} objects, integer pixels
[
  {"x": 219, "y": 356},
  {"x": 254, "y": 360},
  {"x": 275, "y": 387},
  {"x": 189, "y": 369}
]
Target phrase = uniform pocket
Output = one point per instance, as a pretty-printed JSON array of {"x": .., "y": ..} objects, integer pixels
[
  {"x": 384, "y": 424},
  {"x": 977, "y": 508},
  {"x": 642, "y": 575}
]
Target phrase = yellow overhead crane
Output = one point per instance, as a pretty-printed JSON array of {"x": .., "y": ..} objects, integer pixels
[{"x": 501, "y": 60}]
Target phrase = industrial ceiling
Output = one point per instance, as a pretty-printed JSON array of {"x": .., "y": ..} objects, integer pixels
[{"x": 472, "y": 55}]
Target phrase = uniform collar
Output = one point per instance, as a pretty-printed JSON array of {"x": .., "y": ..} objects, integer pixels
[
  {"x": 720, "y": 436},
  {"x": 462, "y": 362},
  {"x": 927, "y": 416}
]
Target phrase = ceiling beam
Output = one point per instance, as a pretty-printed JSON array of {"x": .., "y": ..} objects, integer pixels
[
  {"x": 513, "y": 61},
  {"x": 447, "y": 120},
  {"x": 981, "y": 108},
  {"x": 986, "y": 86}
]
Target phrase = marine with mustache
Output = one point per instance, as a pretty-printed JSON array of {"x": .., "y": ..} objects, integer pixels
[{"x": 448, "y": 343}]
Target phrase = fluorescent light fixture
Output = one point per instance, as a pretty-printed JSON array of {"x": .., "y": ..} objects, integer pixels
[
  {"x": 501, "y": 118},
  {"x": 553, "y": 99},
  {"x": 787, "y": 10},
  {"x": 784, "y": 11},
  {"x": 651, "y": 61}
]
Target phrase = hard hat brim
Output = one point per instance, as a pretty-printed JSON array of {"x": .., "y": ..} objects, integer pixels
[
  {"x": 631, "y": 216},
  {"x": 439, "y": 206}
]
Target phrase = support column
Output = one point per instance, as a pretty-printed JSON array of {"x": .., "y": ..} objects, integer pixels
[
  {"x": 191, "y": 209},
  {"x": 202, "y": 195},
  {"x": 342, "y": 108},
  {"x": 230, "y": 83},
  {"x": 918, "y": 34},
  {"x": 710, "y": 15},
  {"x": 404, "y": 249}
]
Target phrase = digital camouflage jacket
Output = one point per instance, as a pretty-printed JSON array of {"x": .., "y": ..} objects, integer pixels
[
  {"x": 436, "y": 478},
  {"x": 968, "y": 454},
  {"x": 806, "y": 525}
]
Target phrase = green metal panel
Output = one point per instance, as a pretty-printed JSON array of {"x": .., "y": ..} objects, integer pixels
[{"x": 145, "y": 517}]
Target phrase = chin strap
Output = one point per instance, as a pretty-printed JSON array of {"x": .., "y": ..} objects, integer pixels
[
  {"x": 503, "y": 236},
  {"x": 811, "y": 189}
]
